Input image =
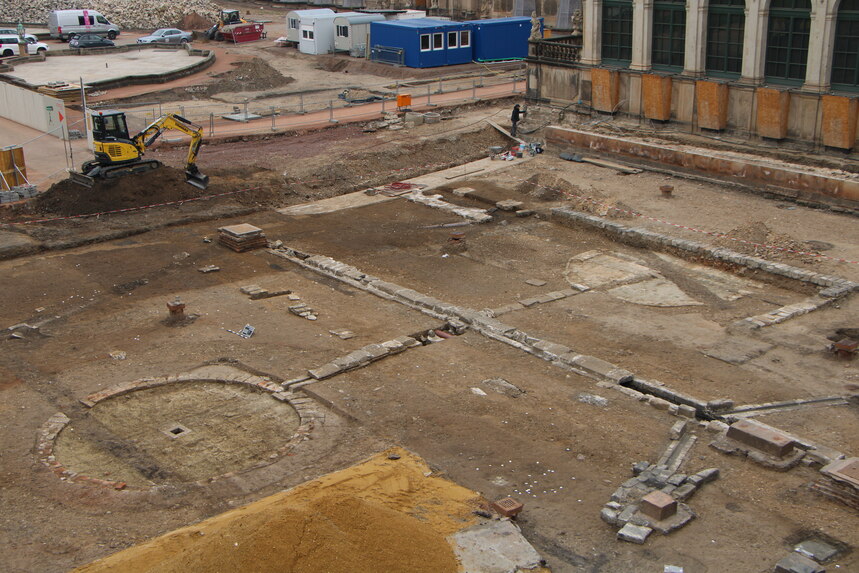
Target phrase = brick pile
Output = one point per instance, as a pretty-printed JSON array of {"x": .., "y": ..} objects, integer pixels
[{"x": 134, "y": 15}]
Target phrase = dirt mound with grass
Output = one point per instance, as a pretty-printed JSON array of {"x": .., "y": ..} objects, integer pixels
[
  {"x": 553, "y": 188},
  {"x": 758, "y": 240}
]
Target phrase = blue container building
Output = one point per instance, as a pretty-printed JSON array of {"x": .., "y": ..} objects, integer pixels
[
  {"x": 501, "y": 38},
  {"x": 426, "y": 43}
]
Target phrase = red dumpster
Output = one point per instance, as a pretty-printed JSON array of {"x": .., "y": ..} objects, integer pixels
[{"x": 240, "y": 33}]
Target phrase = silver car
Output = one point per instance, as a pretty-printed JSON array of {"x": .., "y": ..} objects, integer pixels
[{"x": 166, "y": 36}]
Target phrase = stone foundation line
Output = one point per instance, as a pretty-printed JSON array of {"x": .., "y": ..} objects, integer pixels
[
  {"x": 607, "y": 375},
  {"x": 833, "y": 287}
]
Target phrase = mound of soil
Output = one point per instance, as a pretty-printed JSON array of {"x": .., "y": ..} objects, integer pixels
[
  {"x": 194, "y": 21},
  {"x": 253, "y": 75},
  {"x": 159, "y": 186},
  {"x": 553, "y": 188},
  {"x": 760, "y": 241}
]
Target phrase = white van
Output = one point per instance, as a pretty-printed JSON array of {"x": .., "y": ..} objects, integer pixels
[
  {"x": 9, "y": 46},
  {"x": 66, "y": 24}
]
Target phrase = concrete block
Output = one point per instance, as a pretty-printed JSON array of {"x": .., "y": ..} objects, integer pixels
[
  {"x": 509, "y": 205},
  {"x": 677, "y": 430},
  {"x": 761, "y": 437},
  {"x": 325, "y": 371},
  {"x": 685, "y": 411},
  {"x": 609, "y": 516},
  {"x": 684, "y": 492},
  {"x": 375, "y": 351},
  {"x": 634, "y": 533},
  {"x": 708, "y": 475}
]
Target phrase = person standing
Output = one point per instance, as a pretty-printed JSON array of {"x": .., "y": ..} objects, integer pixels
[{"x": 515, "y": 117}]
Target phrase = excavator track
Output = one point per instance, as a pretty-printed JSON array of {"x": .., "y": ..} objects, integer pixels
[{"x": 116, "y": 171}]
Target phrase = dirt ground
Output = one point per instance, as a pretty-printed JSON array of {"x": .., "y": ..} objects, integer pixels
[{"x": 99, "y": 284}]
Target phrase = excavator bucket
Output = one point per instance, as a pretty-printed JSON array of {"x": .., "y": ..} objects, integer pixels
[
  {"x": 81, "y": 179},
  {"x": 196, "y": 179}
]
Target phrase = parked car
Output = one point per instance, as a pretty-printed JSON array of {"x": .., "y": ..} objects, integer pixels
[
  {"x": 66, "y": 24},
  {"x": 9, "y": 46},
  {"x": 90, "y": 41},
  {"x": 13, "y": 32},
  {"x": 166, "y": 36}
]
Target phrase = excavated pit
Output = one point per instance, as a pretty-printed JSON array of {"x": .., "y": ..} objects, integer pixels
[{"x": 177, "y": 433}]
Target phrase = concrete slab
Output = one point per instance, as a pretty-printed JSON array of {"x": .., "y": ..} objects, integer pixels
[
  {"x": 494, "y": 547},
  {"x": 101, "y": 67},
  {"x": 596, "y": 269}
]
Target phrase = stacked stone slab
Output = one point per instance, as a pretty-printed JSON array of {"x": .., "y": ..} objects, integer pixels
[
  {"x": 242, "y": 237},
  {"x": 145, "y": 14}
]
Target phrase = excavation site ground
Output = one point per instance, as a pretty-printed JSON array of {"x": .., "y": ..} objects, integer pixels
[{"x": 577, "y": 336}]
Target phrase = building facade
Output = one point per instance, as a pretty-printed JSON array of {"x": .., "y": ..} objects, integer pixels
[{"x": 778, "y": 69}]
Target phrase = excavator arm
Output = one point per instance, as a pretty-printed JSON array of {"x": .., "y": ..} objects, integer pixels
[{"x": 172, "y": 121}]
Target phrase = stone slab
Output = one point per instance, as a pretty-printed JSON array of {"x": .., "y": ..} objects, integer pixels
[
  {"x": 494, "y": 547},
  {"x": 796, "y": 563},
  {"x": 634, "y": 533},
  {"x": 761, "y": 437}
]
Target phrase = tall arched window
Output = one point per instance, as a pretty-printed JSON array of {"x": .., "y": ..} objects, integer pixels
[
  {"x": 617, "y": 31},
  {"x": 787, "y": 40},
  {"x": 669, "y": 34},
  {"x": 845, "y": 57},
  {"x": 725, "y": 23}
]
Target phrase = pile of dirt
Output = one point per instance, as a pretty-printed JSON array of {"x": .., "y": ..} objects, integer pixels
[
  {"x": 382, "y": 515},
  {"x": 758, "y": 240},
  {"x": 252, "y": 75},
  {"x": 194, "y": 21},
  {"x": 162, "y": 185},
  {"x": 548, "y": 187}
]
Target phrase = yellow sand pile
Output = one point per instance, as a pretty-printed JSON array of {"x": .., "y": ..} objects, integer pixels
[{"x": 380, "y": 515}]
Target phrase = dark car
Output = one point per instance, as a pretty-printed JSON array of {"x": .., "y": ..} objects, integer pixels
[
  {"x": 90, "y": 41},
  {"x": 166, "y": 36}
]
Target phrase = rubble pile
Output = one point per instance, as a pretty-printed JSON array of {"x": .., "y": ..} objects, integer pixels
[{"x": 135, "y": 15}]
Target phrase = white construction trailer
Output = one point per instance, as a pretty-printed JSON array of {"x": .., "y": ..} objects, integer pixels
[
  {"x": 317, "y": 32},
  {"x": 293, "y": 21},
  {"x": 352, "y": 32}
]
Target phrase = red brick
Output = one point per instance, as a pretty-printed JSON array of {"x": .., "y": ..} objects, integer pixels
[
  {"x": 507, "y": 507},
  {"x": 658, "y": 505}
]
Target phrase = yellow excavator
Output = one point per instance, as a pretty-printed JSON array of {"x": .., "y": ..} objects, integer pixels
[{"x": 118, "y": 154}]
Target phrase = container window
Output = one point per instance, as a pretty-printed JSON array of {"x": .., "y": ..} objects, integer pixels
[
  {"x": 438, "y": 41},
  {"x": 465, "y": 39},
  {"x": 342, "y": 31},
  {"x": 293, "y": 23},
  {"x": 307, "y": 34},
  {"x": 425, "y": 42},
  {"x": 451, "y": 40}
]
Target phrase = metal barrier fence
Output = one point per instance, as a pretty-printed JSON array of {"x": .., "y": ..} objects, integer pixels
[{"x": 388, "y": 55}]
